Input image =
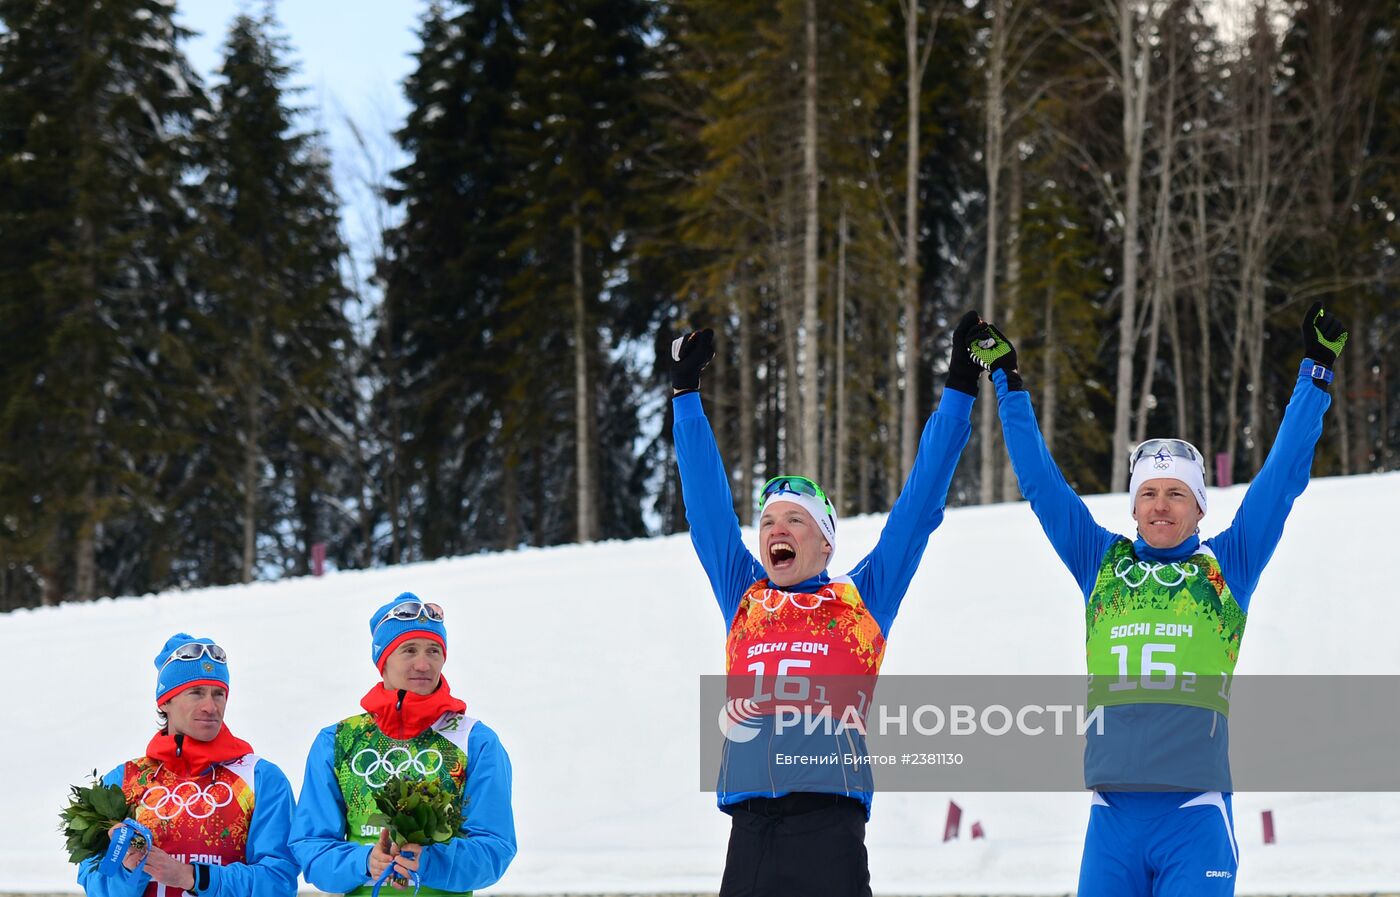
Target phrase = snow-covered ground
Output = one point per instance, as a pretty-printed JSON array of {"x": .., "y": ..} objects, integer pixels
[{"x": 577, "y": 657}]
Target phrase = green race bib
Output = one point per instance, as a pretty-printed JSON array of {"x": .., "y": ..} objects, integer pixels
[
  {"x": 366, "y": 758},
  {"x": 1161, "y": 633}
]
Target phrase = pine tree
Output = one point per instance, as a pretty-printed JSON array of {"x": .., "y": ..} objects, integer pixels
[
  {"x": 441, "y": 344},
  {"x": 577, "y": 118},
  {"x": 275, "y": 304},
  {"x": 96, "y": 106}
]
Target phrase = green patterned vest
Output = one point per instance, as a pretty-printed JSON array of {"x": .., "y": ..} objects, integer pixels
[
  {"x": 366, "y": 758},
  {"x": 1161, "y": 633}
]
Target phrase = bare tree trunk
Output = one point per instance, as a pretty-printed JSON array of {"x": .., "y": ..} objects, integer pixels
[
  {"x": 50, "y": 564},
  {"x": 1201, "y": 295},
  {"x": 788, "y": 336},
  {"x": 717, "y": 392},
  {"x": 85, "y": 552},
  {"x": 391, "y": 403},
  {"x": 1135, "y": 79},
  {"x": 893, "y": 480},
  {"x": 1050, "y": 374},
  {"x": 586, "y": 522},
  {"x": 743, "y": 471},
  {"x": 510, "y": 500},
  {"x": 810, "y": 373},
  {"x": 862, "y": 504},
  {"x": 251, "y": 451},
  {"x": 1009, "y": 488},
  {"x": 995, "y": 122},
  {"x": 1232, "y": 399},
  {"x": 1161, "y": 241},
  {"x": 916, "y": 64},
  {"x": 1183, "y": 419},
  {"x": 842, "y": 453}
]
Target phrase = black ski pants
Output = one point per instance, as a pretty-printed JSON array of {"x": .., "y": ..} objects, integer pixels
[{"x": 798, "y": 845}]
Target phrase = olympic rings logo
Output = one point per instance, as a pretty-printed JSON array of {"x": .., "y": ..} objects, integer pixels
[
  {"x": 774, "y": 599},
  {"x": 1135, "y": 573},
  {"x": 188, "y": 798},
  {"x": 377, "y": 769}
]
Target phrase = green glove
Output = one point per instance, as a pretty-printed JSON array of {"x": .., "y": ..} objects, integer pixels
[
  {"x": 1324, "y": 335},
  {"x": 991, "y": 349}
]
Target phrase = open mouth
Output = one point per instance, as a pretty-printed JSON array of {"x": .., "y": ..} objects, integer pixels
[{"x": 780, "y": 554}]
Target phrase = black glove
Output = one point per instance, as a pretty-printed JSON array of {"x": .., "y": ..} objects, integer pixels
[
  {"x": 963, "y": 372},
  {"x": 1324, "y": 337},
  {"x": 993, "y": 351},
  {"x": 689, "y": 356}
]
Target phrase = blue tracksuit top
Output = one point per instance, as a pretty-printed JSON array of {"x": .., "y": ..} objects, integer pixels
[
  {"x": 881, "y": 577},
  {"x": 475, "y": 860},
  {"x": 1147, "y": 733},
  {"x": 268, "y": 870}
]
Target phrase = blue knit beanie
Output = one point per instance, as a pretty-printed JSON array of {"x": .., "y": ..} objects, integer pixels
[
  {"x": 387, "y": 633},
  {"x": 174, "y": 676}
]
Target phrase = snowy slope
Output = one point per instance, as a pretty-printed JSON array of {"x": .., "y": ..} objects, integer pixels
[{"x": 572, "y": 652}]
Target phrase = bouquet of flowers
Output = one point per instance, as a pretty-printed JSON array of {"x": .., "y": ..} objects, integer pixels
[
  {"x": 90, "y": 815},
  {"x": 417, "y": 812}
]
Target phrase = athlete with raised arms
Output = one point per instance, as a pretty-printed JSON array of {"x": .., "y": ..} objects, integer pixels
[
  {"x": 218, "y": 813},
  {"x": 799, "y": 829},
  {"x": 413, "y": 727},
  {"x": 1164, "y": 616}
]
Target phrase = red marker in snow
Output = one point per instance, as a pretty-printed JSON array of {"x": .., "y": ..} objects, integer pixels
[
  {"x": 1268, "y": 826},
  {"x": 950, "y": 830},
  {"x": 977, "y": 831}
]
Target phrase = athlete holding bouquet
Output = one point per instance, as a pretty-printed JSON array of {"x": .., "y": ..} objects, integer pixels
[
  {"x": 217, "y": 812},
  {"x": 413, "y": 727}
]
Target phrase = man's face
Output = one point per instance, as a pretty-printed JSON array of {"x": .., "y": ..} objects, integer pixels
[
  {"x": 791, "y": 545},
  {"x": 1166, "y": 512},
  {"x": 197, "y": 712},
  {"x": 415, "y": 666}
]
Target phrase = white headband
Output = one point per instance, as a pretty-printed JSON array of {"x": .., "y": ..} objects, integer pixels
[
  {"x": 826, "y": 519},
  {"x": 1167, "y": 466}
]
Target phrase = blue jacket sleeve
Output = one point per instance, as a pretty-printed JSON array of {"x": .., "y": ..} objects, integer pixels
[
  {"x": 882, "y": 577},
  {"x": 328, "y": 860},
  {"x": 125, "y": 884},
  {"x": 1245, "y": 547},
  {"x": 479, "y": 857},
  {"x": 709, "y": 507},
  {"x": 1075, "y": 534},
  {"x": 269, "y": 869}
]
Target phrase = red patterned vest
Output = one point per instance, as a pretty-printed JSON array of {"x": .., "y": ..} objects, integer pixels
[
  {"x": 197, "y": 820},
  {"x": 828, "y": 632}
]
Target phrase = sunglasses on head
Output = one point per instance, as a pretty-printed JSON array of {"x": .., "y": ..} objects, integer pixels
[
  {"x": 1176, "y": 448},
  {"x": 796, "y": 486},
  {"x": 194, "y": 651},
  {"x": 414, "y": 610}
]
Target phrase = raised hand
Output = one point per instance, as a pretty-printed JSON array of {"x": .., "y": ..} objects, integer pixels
[
  {"x": 990, "y": 348},
  {"x": 963, "y": 371},
  {"x": 1324, "y": 335},
  {"x": 689, "y": 356}
]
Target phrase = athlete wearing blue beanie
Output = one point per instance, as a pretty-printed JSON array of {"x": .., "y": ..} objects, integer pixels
[
  {"x": 218, "y": 814},
  {"x": 398, "y": 621},
  {"x": 414, "y": 727},
  {"x": 186, "y": 661}
]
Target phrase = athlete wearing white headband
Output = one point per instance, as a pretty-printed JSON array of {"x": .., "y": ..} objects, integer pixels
[
  {"x": 1164, "y": 615},
  {"x": 786, "y": 617},
  {"x": 1167, "y": 491}
]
